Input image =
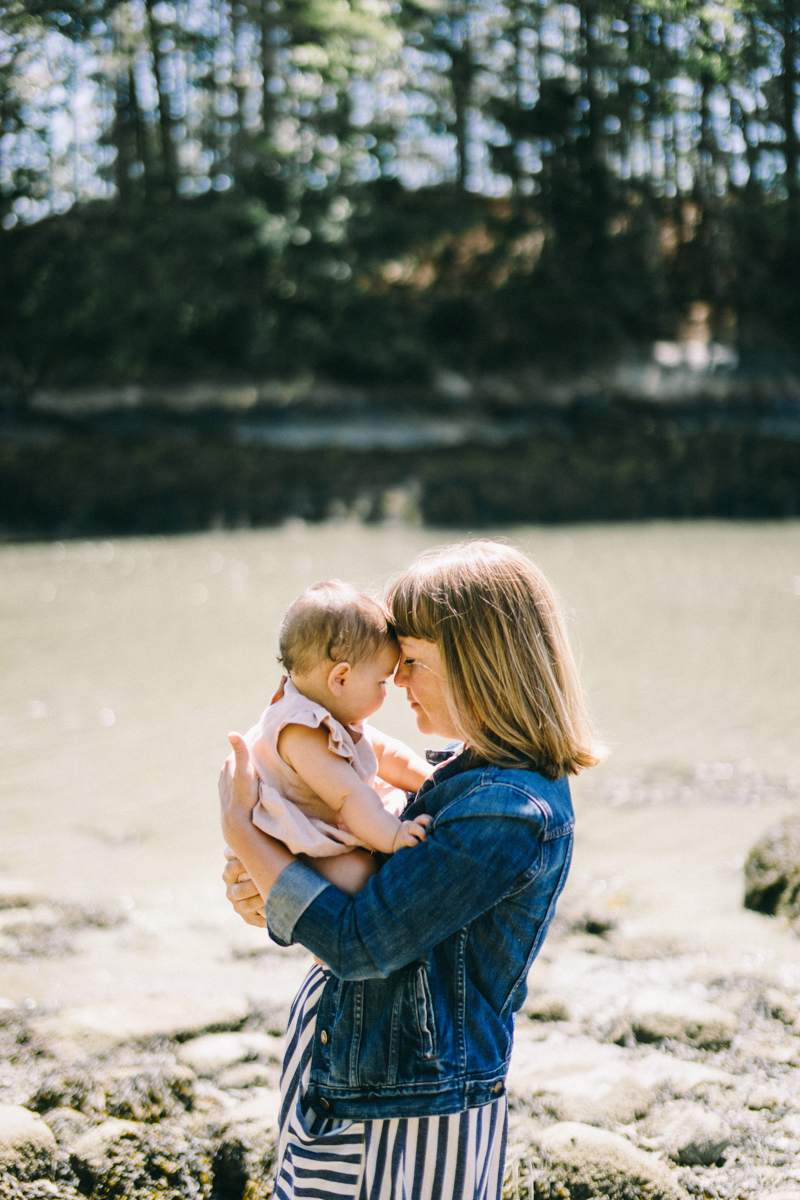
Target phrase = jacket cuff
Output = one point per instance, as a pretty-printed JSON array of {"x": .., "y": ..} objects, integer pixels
[{"x": 296, "y": 887}]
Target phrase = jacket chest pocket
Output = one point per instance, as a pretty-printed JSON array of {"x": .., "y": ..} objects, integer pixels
[{"x": 424, "y": 1011}]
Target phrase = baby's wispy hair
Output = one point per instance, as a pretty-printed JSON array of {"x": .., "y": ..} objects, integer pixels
[{"x": 332, "y": 622}]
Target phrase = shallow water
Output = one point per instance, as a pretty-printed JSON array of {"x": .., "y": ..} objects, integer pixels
[{"x": 125, "y": 663}]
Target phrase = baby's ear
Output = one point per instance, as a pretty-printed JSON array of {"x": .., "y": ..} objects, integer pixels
[{"x": 337, "y": 677}]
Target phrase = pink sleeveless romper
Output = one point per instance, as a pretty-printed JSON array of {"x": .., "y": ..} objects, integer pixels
[{"x": 287, "y": 809}]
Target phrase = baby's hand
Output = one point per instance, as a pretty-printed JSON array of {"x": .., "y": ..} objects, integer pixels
[{"x": 411, "y": 833}]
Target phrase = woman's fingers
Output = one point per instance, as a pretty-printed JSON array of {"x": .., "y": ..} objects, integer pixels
[
  {"x": 246, "y": 890},
  {"x": 251, "y": 912},
  {"x": 240, "y": 751},
  {"x": 238, "y": 782},
  {"x": 242, "y": 892},
  {"x": 233, "y": 868},
  {"x": 238, "y": 885}
]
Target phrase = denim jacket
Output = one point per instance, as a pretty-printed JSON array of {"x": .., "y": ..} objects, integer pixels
[{"x": 428, "y": 964}]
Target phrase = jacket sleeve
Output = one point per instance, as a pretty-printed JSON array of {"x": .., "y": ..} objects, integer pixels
[{"x": 421, "y": 895}]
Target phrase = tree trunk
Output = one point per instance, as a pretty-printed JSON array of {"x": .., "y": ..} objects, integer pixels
[
  {"x": 169, "y": 158},
  {"x": 460, "y": 74},
  {"x": 706, "y": 193},
  {"x": 239, "y": 139},
  {"x": 589, "y": 55},
  {"x": 591, "y": 149},
  {"x": 266, "y": 23},
  {"x": 460, "y": 82},
  {"x": 791, "y": 148},
  {"x": 129, "y": 138}
]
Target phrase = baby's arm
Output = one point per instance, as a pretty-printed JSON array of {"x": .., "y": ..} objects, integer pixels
[
  {"x": 397, "y": 763},
  {"x": 335, "y": 782}
]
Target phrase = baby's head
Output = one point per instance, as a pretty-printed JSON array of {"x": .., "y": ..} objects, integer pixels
[{"x": 337, "y": 638}]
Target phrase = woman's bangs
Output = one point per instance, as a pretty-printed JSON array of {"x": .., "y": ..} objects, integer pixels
[{"x": 413, "y": 610}]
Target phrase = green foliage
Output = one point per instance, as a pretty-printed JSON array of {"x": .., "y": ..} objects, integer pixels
[{"x": 373, "y": 191}]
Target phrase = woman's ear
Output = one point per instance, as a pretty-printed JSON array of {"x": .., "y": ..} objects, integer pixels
[{"x": 337, "y": 678}]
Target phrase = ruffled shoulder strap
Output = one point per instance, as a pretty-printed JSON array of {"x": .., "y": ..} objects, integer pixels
[{"x": 297, "y": 709}]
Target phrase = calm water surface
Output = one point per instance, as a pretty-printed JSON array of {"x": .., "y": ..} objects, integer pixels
[{"x": 125, "y": 663}]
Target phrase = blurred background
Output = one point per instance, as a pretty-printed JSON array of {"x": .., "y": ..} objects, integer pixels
[
  {"x": 480, "y": 260},
  {"x": 298, "y": 288}
]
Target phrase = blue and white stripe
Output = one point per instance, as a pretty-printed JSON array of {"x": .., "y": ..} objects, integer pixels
[{"x": 458, "y": 1157}]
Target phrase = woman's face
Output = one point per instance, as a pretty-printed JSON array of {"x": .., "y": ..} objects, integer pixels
[{"x": 421, "y": 673}]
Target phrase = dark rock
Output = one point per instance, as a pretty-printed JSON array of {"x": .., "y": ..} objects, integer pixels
[
  {"x": 128, "y": 1160},
  {"x": 772, "y": 871},
  {"x": 244, "y": 1162},
  {"x": 547, "y": 1006},
  {"x": 249, "y": 1075},
  {"x": 689, "y": 1134},
  {"x": 27, "y": 1146},
  {"x": 230, "y": 1170},
  {"x": 66, "y": 1123},
  {"x": 142, "y": 1093},
  {"x": 70, "y": 1089},
  {"x": 44, "y": 929},
  {"x": 765, "y": 1097},
  {"x": 583, "y": 1162},
  {"x": 779, "y": 1005},
  {"x": 670, "y": 1016}
]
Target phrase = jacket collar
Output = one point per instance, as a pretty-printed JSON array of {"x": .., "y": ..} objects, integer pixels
[{"x": 463, "y": 759}]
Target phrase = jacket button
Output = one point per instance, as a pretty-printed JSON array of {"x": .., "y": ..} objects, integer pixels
[
  {"x": 498, "y": 1087},
  {"x": 325, "y": 1103},
  {"x": 323, "y": 1037}
]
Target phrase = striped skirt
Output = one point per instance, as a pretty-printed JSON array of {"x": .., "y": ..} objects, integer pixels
[{"x": 458, "y": 1157}]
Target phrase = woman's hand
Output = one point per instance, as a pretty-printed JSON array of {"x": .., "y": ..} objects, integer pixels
[
  {"x": 238, "y": 784},
  {"x": 257, "y": 856},
  {"x": 242, "y": 892}
]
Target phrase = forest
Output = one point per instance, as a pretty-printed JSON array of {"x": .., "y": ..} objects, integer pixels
[{"x": 370, "y": 191}]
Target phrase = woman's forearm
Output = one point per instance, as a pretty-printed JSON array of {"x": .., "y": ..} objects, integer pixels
[
  {"x": 420, "y": 896},
  {"x": 261, "y": 856}
]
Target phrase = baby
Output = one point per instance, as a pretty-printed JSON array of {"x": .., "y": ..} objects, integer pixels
[{"x": 328, "y": 781}]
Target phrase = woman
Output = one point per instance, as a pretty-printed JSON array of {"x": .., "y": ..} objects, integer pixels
[{"x": 397, "y": 1052}]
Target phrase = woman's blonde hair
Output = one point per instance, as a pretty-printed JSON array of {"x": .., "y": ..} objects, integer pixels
[{"x": 512, "y": 684}]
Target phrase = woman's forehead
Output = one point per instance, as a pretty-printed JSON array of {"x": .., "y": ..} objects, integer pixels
[{"x": 418, "y": 647}]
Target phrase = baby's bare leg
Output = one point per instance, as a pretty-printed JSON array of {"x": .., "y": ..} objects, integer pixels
[{"x": 350, "y": 872}]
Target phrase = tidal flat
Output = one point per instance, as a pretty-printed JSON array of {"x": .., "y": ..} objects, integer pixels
[{"x": 657, "y": 999}]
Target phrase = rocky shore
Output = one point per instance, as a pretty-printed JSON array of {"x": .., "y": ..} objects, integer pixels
[
  {"x": 642, "y": 1069},
  {"x": 153, "y": 463}
]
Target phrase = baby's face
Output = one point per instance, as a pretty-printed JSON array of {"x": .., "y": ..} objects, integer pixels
[{"x": 365, "y": 690}]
